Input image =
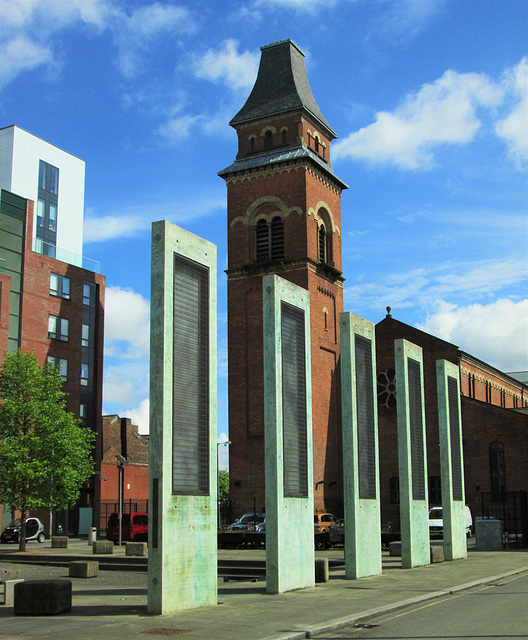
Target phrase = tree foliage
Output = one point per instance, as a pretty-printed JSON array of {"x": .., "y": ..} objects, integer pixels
[
  {"x": 45, "y": 455},
  {"x": 223, "y": 484}
]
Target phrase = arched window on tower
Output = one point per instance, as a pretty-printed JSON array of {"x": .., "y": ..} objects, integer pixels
[
  {"x": 497, "y": 470},
  {"x": 269, "y": 139},
  {"x": 322, "y": 244},
  {"x": 277, "y": 238},
  {"x": 262, "y": 241}
]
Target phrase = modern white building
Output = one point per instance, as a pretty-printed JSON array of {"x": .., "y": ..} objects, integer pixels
[{"x": 54, "y": 180}]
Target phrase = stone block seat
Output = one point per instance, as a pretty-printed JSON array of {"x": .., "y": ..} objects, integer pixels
[
  {"x": 84, "y": 569},
  {"x": 42, "y": 597},
  {"x": 103, "y": 546}
]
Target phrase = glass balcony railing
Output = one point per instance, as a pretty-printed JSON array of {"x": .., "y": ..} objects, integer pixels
[{"x": 45, "y": 249}]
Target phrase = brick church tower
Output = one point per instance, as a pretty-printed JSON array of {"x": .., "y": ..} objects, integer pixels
[{"x": 284, "y": 218}]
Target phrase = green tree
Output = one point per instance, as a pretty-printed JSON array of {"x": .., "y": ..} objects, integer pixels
[
  {"x": 45, "y": 455},
  {"x": 223, "y": 484}
]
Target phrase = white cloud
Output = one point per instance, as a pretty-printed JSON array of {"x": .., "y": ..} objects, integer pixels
[
  {"x": 21, "y": 54},
  {"x": 137, "y": 219},
  {"x": 513, "y": 128},
  {"x": 496, "y": 333},
  {"x": 300, "y": 5},
  {"x": 404, "y": 20},
  {"x": 226, "y": 64},
  {"x": 127, "y": 324},
  {"x": 442, "y": 112},
  {"x": 30, "y": 30},
  {"x": 135, "y": 32},
  {"x": 140, "y": 415},
  {"x": 105, "y": 228},
  {"x": 178, "y": 128},
  {"x": 422, "y": 288}
]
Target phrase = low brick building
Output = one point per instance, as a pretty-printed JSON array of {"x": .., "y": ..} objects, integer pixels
[{"x": 121, "y": 437}]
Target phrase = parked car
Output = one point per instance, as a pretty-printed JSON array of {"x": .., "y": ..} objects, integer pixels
[
  {"x": 436, "y": 521},
  {"x": 34, "y": 531},
  {"x": 340, "y": 531},
  {"x": 323, "y": 521},
  {"x": 134, "y": 527},
  {"x": 248, "y": 522}
]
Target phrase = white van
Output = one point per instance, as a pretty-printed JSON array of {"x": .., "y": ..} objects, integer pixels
[{"x": 436, "y": 522}]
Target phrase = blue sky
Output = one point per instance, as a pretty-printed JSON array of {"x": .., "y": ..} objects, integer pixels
[{"x": 429, "y": 100}]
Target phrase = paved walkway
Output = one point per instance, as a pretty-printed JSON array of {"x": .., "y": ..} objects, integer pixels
[{"x": 113, "y": 605}]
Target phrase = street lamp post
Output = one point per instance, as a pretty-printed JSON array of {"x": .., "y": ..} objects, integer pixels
[
  {"x": 121, "y": 466},
  {"x": 225, "y": 443}
]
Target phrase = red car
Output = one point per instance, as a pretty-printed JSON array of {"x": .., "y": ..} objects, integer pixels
[{"x": 134, "y": 527}]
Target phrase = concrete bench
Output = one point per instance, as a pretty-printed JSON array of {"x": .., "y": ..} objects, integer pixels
[
  {"x": 322, "y": 572},
  {"x": 8, "y": 586},
  {"x": 103, "y": 546},
  {"x": 59, "y": 542},
  {"x": 84, "y": 569},
  {"x": 42, "y": 597},
  {"x": 437, "y": 553},
  {"x": 136, "y": 548}
]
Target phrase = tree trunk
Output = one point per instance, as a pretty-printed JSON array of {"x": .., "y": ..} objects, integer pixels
[{"x": 22, "y": 539}]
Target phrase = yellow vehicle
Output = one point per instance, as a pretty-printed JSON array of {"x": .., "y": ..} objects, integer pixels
[{"x": 324, "y": 521}]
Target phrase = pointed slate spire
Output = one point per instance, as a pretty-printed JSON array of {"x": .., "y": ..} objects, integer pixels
[{"x": 281, "y": 86}]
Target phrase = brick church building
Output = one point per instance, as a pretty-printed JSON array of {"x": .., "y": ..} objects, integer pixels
[{"x": 284, "y": 218}]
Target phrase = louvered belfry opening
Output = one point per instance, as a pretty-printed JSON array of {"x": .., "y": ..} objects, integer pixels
[
  {"x": 365, "y": 418},
  {"x": 294, "y": 417},
  {"x": 416, "y": 429},
  {"x": 277, "y": 239},
  {"x": 262, "y": 240},
  {"x": 454, "y": 436},
  {"x": 190, "y": 404}
]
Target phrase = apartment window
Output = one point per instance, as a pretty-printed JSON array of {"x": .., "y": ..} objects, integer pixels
[
  {"x": 83, "y": 413},
  {"x": 89, "y": 294},
  {"x": 85, "y": 373},
  {"x": 59, "y": 286},
  {"x": 62, "y": 365},
  {"x": 86, "y": 335},
  {"x": 47, "y": 203},
  {"x": 58, "y": 328}
]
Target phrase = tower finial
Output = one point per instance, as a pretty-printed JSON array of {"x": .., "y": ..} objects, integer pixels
[{"x": 389, "y": 309}]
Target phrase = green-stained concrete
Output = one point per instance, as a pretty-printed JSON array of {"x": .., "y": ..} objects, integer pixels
[
  {"x": 290, "y": 557},
  {"x": 182, "y": 568},
  {"x": 362, "y": 516},
  {"x": 414, "y": 513},
  {"x": 453, "y": 511}
]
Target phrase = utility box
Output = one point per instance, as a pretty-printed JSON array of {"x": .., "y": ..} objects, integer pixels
[{"x": 488, "y": 534}]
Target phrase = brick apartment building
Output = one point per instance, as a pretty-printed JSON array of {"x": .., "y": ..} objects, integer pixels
[
  {"x": 51, "y": 298},
  {"x": 121, "y": 437},
  {"x": 494, "y": 424},
  {"x": 283, "y": 217}
]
